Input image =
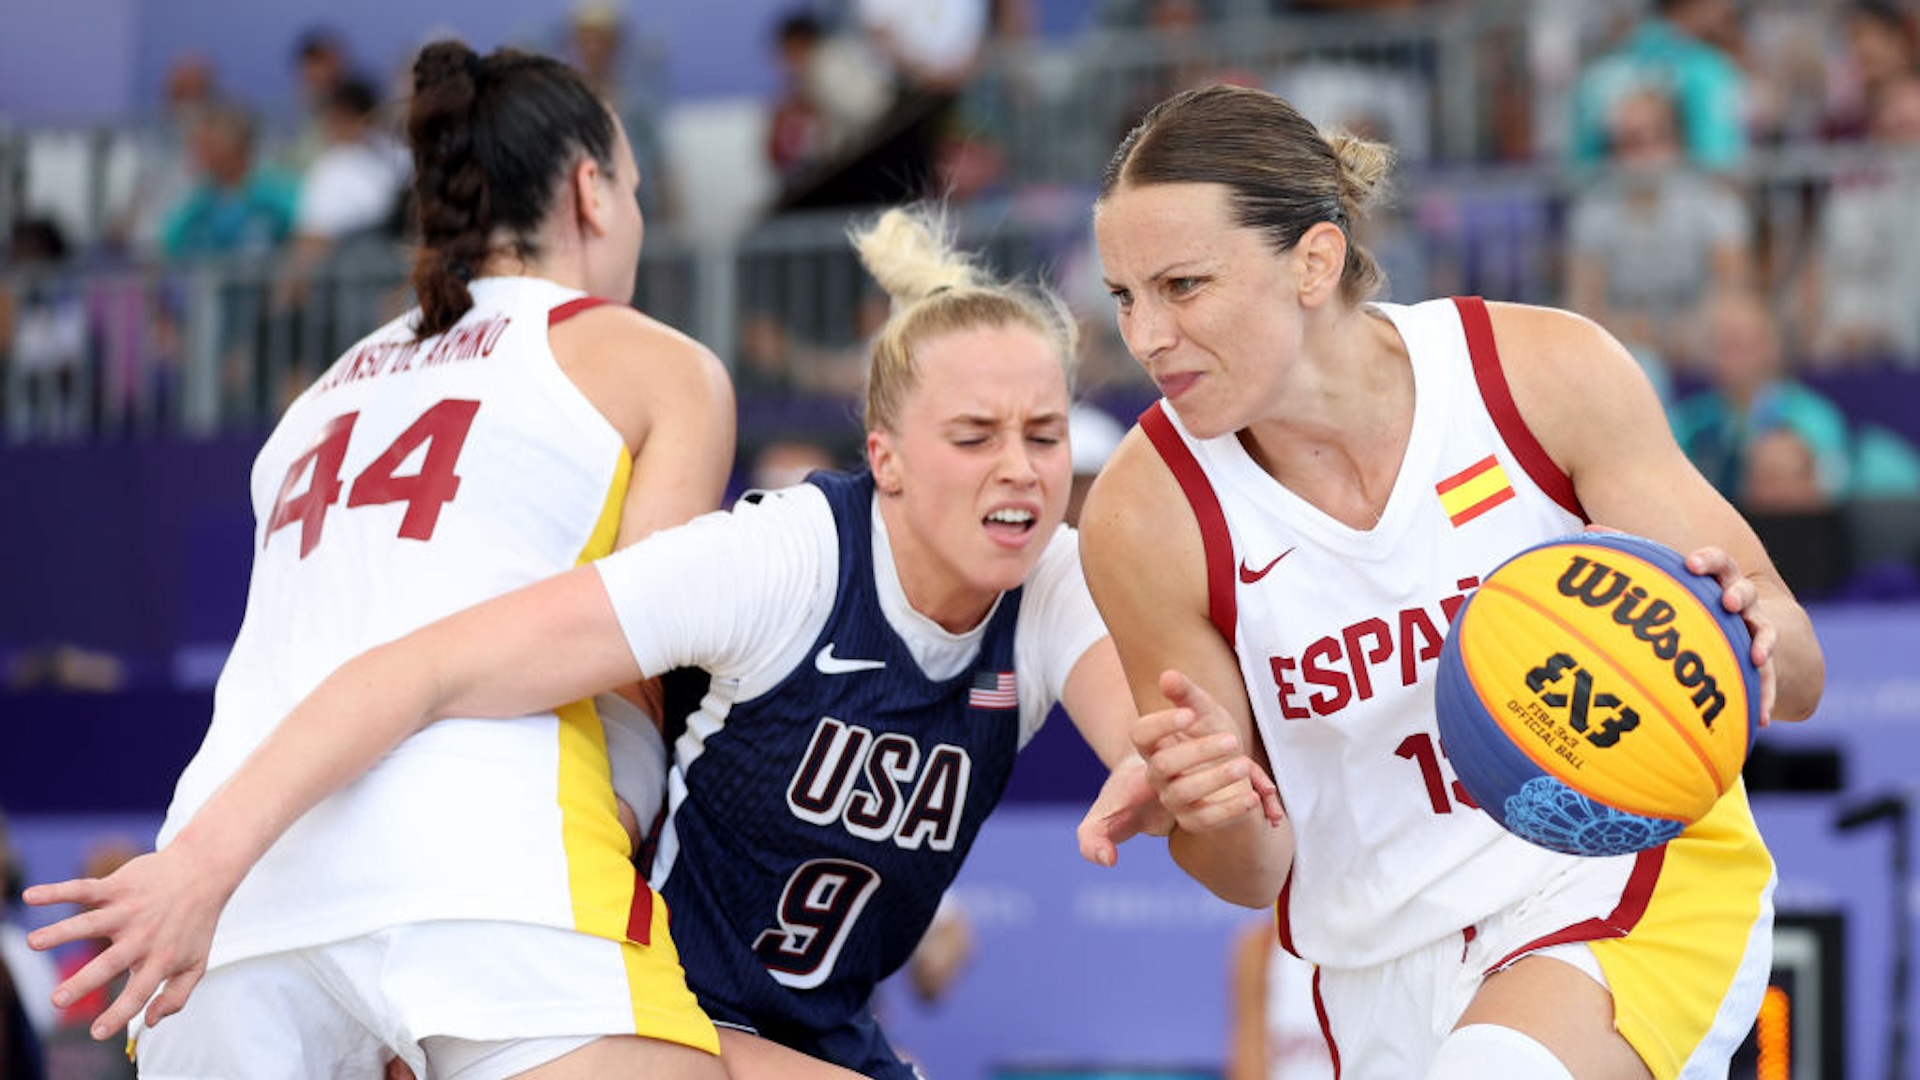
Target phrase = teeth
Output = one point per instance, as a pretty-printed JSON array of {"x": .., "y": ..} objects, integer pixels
[{"x": 1011, "y": 517}]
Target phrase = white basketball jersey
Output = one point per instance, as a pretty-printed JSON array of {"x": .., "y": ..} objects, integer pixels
[
  {"x": 416, "y": 478},
  {"x": 1338, "y": 631}
]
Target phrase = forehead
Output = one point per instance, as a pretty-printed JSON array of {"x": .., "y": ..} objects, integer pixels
[
  {"x": 988, "y": 370},
  {"x": 1162, "y": 223}
]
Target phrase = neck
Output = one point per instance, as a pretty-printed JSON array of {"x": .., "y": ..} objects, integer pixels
[{"x": 953, "y": 605}]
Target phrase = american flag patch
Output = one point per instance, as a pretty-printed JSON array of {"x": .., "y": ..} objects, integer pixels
[
  {"x": 1474, "y": 490},
  {"x": 993, "y": 690}
]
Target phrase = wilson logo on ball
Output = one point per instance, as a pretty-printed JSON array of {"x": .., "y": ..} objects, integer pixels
[
  {"x": 1602, "y": 585},
  {"x": 1584, "y": 693}
]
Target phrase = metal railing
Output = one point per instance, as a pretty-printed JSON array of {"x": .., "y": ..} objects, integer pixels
[{"x": 196, "y": 349}]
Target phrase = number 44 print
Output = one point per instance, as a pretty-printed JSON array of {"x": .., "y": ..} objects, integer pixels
[{"x": 443, "y": 428}]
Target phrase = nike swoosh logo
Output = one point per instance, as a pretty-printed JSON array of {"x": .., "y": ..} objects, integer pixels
[
  {"x": 1248, "y": 575},
  {"x": 829, "y": 664}
]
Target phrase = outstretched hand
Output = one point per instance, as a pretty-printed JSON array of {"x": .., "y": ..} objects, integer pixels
[
  {"x": 157, "y": 913},
  {"x": 1197, "y": 763},
  {"x": 1126, "y": 807},
  {"x": 1191, "y": 771}
]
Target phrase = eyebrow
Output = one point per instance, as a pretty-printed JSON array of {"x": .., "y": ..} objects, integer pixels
[
  {"x": 979, "y": 421},
  {"x": 1179, "y": 268}
]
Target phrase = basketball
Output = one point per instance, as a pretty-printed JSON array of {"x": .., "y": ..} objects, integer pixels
[{"x": 1594, "y": 696}]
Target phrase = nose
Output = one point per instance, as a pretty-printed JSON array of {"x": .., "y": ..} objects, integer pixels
[
  {"x": 1148, "y": 331},
  {"x": 1016, "y": 464}
]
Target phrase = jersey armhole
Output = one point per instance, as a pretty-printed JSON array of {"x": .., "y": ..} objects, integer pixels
[
  {"x": 1214, "y": 537},
  {"x": 1498, "y": 396},
  {"x": 568, "y": 310}
]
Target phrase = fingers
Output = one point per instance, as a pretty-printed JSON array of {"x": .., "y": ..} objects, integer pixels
[
  {"x": 1269, "y": 794},
  {"x": 1096, "y": 842},
  {"x": 173, "y": 997},
  {"x": 89, "y": 924},
  {"x": 133, "y": 997},
  {"x": 82, "y": 891}
]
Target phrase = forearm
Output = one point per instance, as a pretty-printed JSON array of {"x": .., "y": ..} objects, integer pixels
[
  {"x": 1243, "y": 863},
  {"x": 312, "y": 753},
  {"x": 1800, "y": 669}
]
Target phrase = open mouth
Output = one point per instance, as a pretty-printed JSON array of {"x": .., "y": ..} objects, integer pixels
[{"x": 1010, "y": 521}]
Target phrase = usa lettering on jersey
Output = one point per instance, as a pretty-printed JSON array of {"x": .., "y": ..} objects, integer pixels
[{"x": 877, "y": 788}]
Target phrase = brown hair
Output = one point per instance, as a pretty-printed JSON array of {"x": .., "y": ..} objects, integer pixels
[
  {"x": 1283, "y": 174},
  {"x": 938, "y": 290},
  {"x": 491, "y": 136}
]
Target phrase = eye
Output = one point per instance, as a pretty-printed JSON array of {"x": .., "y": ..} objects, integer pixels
[
  {"x": 1121, "y": 297},
  {"x": 1181, "y": 286}
]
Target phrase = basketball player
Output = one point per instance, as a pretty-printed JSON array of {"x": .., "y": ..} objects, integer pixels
[
  {"x": 469, "y": 905},
  {"x": 880, "y": 645},
  {"x": 1277, "y": 548}
]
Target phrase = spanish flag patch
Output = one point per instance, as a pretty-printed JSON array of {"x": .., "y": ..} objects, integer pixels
[{"x": 1474, "y": 490}]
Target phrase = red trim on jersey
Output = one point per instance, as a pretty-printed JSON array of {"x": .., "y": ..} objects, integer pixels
[
  {"x": 1506, "y": 415},
  {"x": 1326, "y": 1028},
  {"x": 574, "y": 307},
  {"x": 1205, "y": 501},
  {"x": 640, "y": 914},
  {"x": 1282, "y": 919},
  {"x": 1624, "y": 917}
]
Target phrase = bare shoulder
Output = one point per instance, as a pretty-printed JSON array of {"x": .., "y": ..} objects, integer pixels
[
  {"x": 1135, "y": 509},
  {"x": 1568, "y": 375},
  {"x": 1140, "y": 543},
  {"x": 620, "y": 333},
  {"x": 639, "y": 372}
]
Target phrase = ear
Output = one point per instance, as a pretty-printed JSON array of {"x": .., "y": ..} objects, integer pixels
[
  {"x": 590, "y": 195},
  {"x": 884, "y": 460},
  {"x": 1322, "y": 259}
]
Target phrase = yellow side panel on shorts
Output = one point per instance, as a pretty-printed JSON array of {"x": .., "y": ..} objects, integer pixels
[
  {"x": 1671, "y": 973},
  {"x": 600, "y": 876}
]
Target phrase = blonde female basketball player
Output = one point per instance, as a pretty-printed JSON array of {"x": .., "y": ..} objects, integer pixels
[
  {"x": 469, "y": 905},
  {"x": 880, "y": 644},
  {"x": 1277, "y": 549}
]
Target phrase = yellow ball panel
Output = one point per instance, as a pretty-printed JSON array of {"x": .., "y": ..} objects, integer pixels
[{"x": 1607, "y": 671}]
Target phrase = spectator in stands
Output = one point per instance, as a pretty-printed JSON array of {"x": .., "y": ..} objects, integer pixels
[
  {"x": 933, "y": 46},
  {"x": 1879, "y": 54},
  {"x": 164, "y": 172},
  {"x": 1753, "y": 413},
  {"x": 44, "y": 346},
  {"x": 1863, "y": 272},
  {"x": 1681, "y": 47},
  {"x": 238, "y": 205},
  {"x": 349, "y": 212},
  {"x": 624, "y": 67},
  {"x": 835, "y": 89},
  {"x": 971, "y": 156},
  {"x": 1650, "y": 238},
  {"x": 1185, "y": 58},
  {"x": 321, "y": 62}
]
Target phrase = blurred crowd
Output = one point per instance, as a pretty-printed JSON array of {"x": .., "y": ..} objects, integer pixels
[{"x": 1723, "y": 184}]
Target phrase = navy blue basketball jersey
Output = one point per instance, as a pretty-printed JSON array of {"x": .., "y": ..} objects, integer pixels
[{"x": 822, "y": 821}]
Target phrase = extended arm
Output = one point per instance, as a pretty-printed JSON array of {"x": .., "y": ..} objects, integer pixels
[
  {"x": 1598, "y": 418},
  {"x": 552, "y": 642},
  {"x": 1146, "y": 568}
]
